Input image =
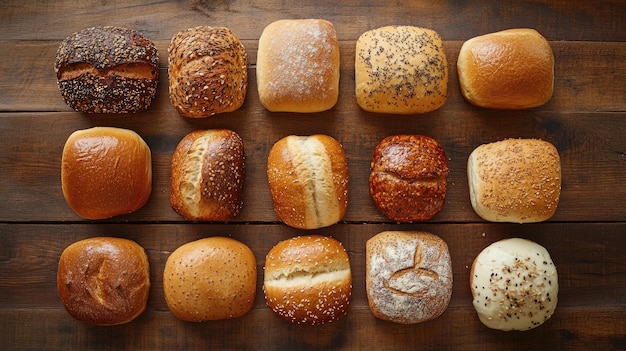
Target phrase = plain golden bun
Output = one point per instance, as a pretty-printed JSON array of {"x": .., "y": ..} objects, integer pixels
[
  {"x": 107, "y": 70},
  {"x": 408, "y": 276},
  {"x": 207, "y": 175},
  {"x": 106, "y": 172},
  {"x": 510, "y": 69},
  {"x": 515, "y": 180},
  {"x": 308, "y": 180},
  {"x": 408, "y": 178},
  {"x": 297, "y": 68},
  {"x": 104, "y": 280},
  {"x": 210, "y": 279},
  {"x": 401, "y": 70},
  {"x": 514, "y": 285},
  {"x": 208, "y": 71},
  {"x": 308, "y": 280}
]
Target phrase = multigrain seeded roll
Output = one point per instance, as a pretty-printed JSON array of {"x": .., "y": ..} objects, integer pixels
[
  {"x": 104, "y": 280},
  {"x": 514, "y": 285},
  {"x": 408, "y": 276},
  {"x": 308, "y": 280},
  {"x": 401, "y": 70},
  {"x": 298, "y": 66},
  {"x": 515, "y": 180},
  {"x": 208, "y": 71},
  {"x": 107, "y": 70},
  {"x": 207, "y": 175}
]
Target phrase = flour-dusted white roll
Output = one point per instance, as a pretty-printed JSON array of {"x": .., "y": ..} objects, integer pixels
[
  {"x": 408, "y": 276},
  {"x": 515, "y": 180},
  {"x": 297, "y": 66},
  {"x": 514, "y": 285},
  {"x": 308, "y": 180}
]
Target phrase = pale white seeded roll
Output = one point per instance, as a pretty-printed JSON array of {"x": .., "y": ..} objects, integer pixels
[
  {"x": 515, "y": 180},
  {"x": 210, "y": 279},
  {"x": 510, "y": 69},
  {"x": 408, "y": 276},
  {"x": 297, "y": 66},
  {"x": 514, "y": 285},
  {"x": 308, "y": 180},
  {"x": 207, "y": 175},
  {"x": 308, "y": 280},
  {"x": 401, "y": 70}
]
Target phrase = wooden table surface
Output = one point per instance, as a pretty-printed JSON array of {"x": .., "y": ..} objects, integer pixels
[{"x": 585, "y": 120}]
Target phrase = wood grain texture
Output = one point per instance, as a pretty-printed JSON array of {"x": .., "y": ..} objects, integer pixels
[{"x": 585, "y": 120}]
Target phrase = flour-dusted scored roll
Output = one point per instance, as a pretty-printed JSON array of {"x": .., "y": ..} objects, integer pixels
[
  {"x": 408, "y": 276},
  {"x": 208, "y": 71},
  {"x": 104, "y": 280},
  {"x": 297, "y": 66},
  {"x": 105, "y": 172},
  {"x": 401, "y": 70},
  {"x": 308, "y": 280},
  {"x": 510, "y": 69},
  {"x": 515, "y": 180},
  {"x": 210, "y": 279},
  {"x": 107, "y": 70},
  {"x": 408, "y": 178},
  {"x": 308, "y": 180},
  {"x": 514, "y": 285},
  {"x": 207, "y": 175}
]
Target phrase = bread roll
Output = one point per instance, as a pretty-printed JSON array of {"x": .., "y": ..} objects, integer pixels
[
  {"x": 408, "y": 276},
  {"x": 106, "y": 172},
  {"x": 401, "y": 70},
  {"x": 408, "y": 177},
  {"x": 511, "y": 69},
  {"x": 208, "y": 71},
  {"x": 207, "y": 175},
  {"x": 515, "y": 180},
  {"x": 104, "y": 280},
  {"x": 297, "y": 68},
  {"x": 308, "y": 280},
  {"x": 308, "y": 181},
  {"x": 210, "y": 279},
  {"x": 107, "y": 70},
  {"x": 514, "y": 285}
]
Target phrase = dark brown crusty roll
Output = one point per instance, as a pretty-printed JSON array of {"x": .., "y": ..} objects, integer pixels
[
  {"x": 208, "y": 71},
  {"x": 297, "y": 68},
  {"x": 408, "y": 177},
  {"x": 408, "y": 276},
  {"x": 510, "y": 69},
  {"x": 401, "y": 70},
  {"x": 308, "y": 180},
  {"x": 207, "y": 175},
  {"x": 308, "y": 280},
  {"x": 210, "y": 279},
  {"x": 515, "y": 180},
  {"x": 106, "y": 172},
  {"x": 104, "y": 280},
  {"x": 107, "y": 70}
]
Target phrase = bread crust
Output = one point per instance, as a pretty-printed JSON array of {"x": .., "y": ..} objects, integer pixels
[
  {"x": 297, "y": 66},
  {"x": 510, "y": 69},
  {"x": 408, "y": 276},
  {"x": 515, "y": 180},
  {"x": 401, "y": 70},
  {"x": 208, "y": 71},
  {"x": 104, "y": 280},
  {"x": 408, "y": 178},
  {"x": 105, "y": 172},
  {"x": 107, "y": 70},
  {"x": 210, "y": 279},
  {"x": 308, "y": 180},
  {"x": 308, "y": 280},
  {"x": 207, "y": 174}
]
